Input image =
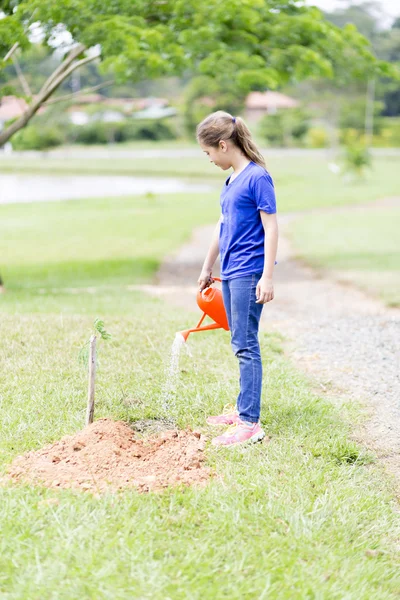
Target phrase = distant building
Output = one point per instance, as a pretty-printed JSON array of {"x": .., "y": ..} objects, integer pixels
[
  {"x": 259, "y": 104},
  {"x": 112, "y": 110},
  {"x": 155, "y": 112},
  {"x": 78, "y": 117}
]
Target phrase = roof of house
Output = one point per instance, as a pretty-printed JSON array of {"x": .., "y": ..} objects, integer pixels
[
  {"x": 266, "y": 100},
  {"x": 11, "y": 107}
]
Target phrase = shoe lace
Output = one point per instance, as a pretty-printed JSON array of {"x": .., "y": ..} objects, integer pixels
[
  {"x": 228, "y": 408},
  {"x": 234, "y": 427},
  {"x": 231, "y": 429}
]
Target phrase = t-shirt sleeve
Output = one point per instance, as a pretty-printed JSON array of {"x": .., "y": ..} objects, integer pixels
[{"x": 264, "y": 194}]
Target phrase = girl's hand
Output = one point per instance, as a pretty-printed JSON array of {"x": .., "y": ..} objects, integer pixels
[
  {"x": 205, "y": 279},
  {"x": 264, "y": 291}
]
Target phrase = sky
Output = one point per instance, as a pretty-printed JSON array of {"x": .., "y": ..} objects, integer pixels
[{"x": 391, "y": 8}]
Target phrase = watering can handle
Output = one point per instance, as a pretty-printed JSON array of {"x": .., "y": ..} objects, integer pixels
[{"x": 209, "y": 286}]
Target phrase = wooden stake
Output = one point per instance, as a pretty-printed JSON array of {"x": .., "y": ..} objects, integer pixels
[{"x": 92, "y": 376}]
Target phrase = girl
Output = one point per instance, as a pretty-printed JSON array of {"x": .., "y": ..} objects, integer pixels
[{"x": 246, "y": 237}]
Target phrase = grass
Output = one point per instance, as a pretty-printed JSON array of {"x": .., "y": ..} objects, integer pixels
[
  {"x": 96, "y": 242},
  {"x": 302, "y": 182},
  {"x": 306, "y": 516},
  {"x": 117, "y": 240},
  {"x": 360, "y": 247}
]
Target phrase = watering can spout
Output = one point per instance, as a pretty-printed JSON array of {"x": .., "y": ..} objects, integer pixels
[
  {"x": 211, "y": 303},
  {"x": 185, "y": 334}
]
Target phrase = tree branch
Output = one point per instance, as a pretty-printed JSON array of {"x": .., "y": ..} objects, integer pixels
[
  {"x": 74, "y": 53},
  {"x": 11, "y": 51},
  {"x": 56, "y": 82},
  {"x": 80, "y": 93}
]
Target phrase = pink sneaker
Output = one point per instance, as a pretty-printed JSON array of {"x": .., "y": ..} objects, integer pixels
[
  {"x": 239, "y": 433},
  {"x": 228, "y": 417}
]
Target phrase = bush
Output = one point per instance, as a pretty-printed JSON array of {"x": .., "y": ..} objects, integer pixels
[
  {"x": 285, "y": 128},
  {"x": 149, "y": 130},
  {"x": 129, "y": 130},
  {"x": 92, "y": 133},
  {"x": 317, "y": 137},
  {"x": 352, "y": 115},
  {"x": 389, "y": 134},
  {"x": 271, "y": 129},
  {"x": 357, "y": 157},
  {"x": 37, "y": 137}
]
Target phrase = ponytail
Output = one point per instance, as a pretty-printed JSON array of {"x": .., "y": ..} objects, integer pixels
[{"x": 242, "y": 138}]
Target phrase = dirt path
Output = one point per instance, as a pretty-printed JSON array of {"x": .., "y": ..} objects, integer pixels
[{"x": 348, "y": 341}]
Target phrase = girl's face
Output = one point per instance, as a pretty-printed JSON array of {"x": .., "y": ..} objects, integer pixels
[{"x": 219, "y": 156}]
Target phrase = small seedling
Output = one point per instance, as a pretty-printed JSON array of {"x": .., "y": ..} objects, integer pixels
[{"x": 87, "y": 355}]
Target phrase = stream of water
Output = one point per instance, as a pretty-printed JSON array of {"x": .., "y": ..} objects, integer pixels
[{"x": 171, "y": 373}]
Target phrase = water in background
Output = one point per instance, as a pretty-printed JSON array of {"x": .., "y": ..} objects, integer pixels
[{"x": 39, "y": 188}]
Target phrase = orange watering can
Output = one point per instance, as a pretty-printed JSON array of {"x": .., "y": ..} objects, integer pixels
[{"x": 211, "y": 303}]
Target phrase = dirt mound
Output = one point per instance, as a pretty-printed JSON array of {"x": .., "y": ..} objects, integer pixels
[{"x": 108, "y": 455}]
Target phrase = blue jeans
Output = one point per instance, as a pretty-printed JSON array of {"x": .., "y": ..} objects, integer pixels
[{"x": 243, "y": 318}]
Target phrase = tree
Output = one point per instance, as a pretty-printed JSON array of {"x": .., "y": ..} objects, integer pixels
[
  {"x": 363, "y": 16},
  {"x": 385, "y": 42},
  {"x": 256, "y": 43}
]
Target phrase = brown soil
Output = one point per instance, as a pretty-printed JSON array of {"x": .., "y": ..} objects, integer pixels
[{"x": 108, "y": 455}]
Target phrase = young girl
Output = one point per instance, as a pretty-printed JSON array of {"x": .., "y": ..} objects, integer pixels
[{"x": 246, "y": 237}]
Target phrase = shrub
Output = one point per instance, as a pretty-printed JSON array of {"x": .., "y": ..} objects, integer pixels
[
  {"x": 149, "y": 130},
  {"x": 352, "y": 115},
  {"x": 286, "y": 127},
  {"x": 389, "y": 134},
  {"x": 317, "y": 137},
  {"x": 357, "y": 157},
  {"x": 38, "y": 137},
  {"x": 271, "y": 128},
  {"x": 105, "y": 133},
  {"x": 91, "y": 133}
]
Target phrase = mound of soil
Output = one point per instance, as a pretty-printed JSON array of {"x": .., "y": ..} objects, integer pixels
[{"x": 108, "y": 455}]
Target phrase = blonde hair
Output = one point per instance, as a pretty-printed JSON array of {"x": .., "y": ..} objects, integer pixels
[{"x": 221, "y": 125}]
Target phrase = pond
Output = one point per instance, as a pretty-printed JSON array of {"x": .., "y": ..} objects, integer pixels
[{"x": 39, "y": 188}]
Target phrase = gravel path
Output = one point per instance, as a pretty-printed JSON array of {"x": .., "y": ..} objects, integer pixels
[{"x": 348, "y": 341}]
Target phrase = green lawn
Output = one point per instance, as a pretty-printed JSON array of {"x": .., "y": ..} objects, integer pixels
[
  {"x": 360, "y": 247},
  {"x": 305, "y": 516},
  {"x": 117, "y": 240},
  {"x": 310, "y": 515},
  {"x": 96, "y": 242},
  {"x": 302, "y": 182}
]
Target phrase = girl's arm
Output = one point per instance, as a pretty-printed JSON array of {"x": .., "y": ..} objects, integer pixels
[
  {"x": 205, "y": 278},
  {"x": 265, "y": 288}
]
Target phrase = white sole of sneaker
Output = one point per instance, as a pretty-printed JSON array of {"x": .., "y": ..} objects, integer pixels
[{"x": 257, "y": 437}]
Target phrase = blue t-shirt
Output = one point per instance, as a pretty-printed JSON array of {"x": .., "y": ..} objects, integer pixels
[{"x": 241, "y": 238}]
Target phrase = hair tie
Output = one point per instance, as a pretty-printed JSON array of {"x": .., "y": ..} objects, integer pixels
[{"x": 233, "y": 119}]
